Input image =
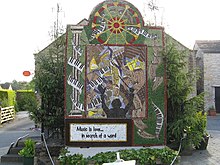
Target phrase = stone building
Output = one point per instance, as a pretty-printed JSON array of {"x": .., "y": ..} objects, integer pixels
[{"x": 207, "y": 60}]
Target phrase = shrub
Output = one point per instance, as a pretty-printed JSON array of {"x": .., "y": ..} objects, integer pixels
[
  {"x": 182, "y": 111},
  {"x": 142, "y": 156},
  {"x": 26, "y": 101},
  {"x": 29, "y": 149},
  {"x": 76, "y": 159},
  {"x": 7, "y": 98}
]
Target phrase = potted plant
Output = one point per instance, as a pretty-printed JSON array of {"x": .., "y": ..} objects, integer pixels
[
  {"x": 204, "y": 142},
  {"x": 201, "y": 127},
  {"x": 28, "y": 152},
  {"x": 211, "y": 111}
]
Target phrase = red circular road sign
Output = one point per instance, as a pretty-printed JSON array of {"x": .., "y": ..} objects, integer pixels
[{"x": 26, "y": 73}]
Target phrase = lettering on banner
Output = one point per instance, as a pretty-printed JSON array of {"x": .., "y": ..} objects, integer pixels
[{"x": 98, "y": 133}]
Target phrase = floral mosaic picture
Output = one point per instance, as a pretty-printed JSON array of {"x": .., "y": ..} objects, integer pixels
[{"x": 114, "y": 71}]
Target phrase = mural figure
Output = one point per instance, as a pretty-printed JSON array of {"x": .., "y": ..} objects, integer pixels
[
  {"x": 116, "y": 68},
  {"x": 116, "y": 111}
]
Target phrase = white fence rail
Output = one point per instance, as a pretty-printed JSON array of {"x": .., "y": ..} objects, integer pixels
[{"x": 6, "y": 114}]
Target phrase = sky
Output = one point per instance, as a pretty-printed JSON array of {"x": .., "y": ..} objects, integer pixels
[{"x": 26, "y": 25}]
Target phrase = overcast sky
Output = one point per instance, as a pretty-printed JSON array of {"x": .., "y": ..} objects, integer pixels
[{"x": 25, "y": 26}]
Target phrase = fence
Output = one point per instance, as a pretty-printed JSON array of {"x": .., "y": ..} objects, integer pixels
[{"x": 6, "y": 114}]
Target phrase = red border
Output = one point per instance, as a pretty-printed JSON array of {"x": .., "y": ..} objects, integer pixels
[{"x": 65, "y": 62}]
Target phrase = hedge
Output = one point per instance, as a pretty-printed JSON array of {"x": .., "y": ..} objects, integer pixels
[{"x": 7, "y": 97}]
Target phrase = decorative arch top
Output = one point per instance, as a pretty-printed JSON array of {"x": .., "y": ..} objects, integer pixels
[{"x": 114, "y": 22}]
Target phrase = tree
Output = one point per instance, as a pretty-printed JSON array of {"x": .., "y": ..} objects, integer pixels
[
  {"x": 26, "y": 101},
  {"x": 49, "y": 80},
  {"x": 183, "y": 110}
]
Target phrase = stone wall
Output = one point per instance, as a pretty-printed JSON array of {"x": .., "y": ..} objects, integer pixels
[
  {"x": 211, "y": 77},
  {"x": 41, "y": 155}
]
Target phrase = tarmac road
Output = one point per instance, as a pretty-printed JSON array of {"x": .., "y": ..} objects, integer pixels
[{"x": 20, "y": 126}]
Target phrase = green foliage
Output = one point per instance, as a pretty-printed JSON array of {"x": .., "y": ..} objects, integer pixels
[
  {"x": 160, "y": 70},
  {"x": 23, "y": 85},
  {"x": 11, "y": 97},
  {"x": 49, "y": 81},
  {"x": 211, "y": 108},
  {"x": 7, "y": 98},
  {"x": 26, "y": 101},
  {"x": 19, "y": 85},
  {"x": 76, "y": 159},
  {"x": 142, "y": 156},
  {"x": 192, "y": 122},
  {"x": 29, "y": 148},
  {"x": 179, "y": 79},
  {"x": 4, "y": 102},
  {"x": 3, "y": 98},
  {"x": 102, "y": 157},
  {"x": 183, "y": 111}
]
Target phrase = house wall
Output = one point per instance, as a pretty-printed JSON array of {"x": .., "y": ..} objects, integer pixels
[
  {"x": 199, "y": 65},
  {"x": 211, "y": 77}
]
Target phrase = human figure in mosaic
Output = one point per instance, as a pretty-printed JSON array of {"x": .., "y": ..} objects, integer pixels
[{"x": 116, "y": 111}]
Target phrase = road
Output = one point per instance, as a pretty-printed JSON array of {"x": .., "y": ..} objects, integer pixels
[{"x": 20, "y": 126}]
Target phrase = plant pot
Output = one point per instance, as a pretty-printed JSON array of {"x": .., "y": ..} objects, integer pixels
[
  {"x": 158, "y": 162},
  {"x": 212, "y": 112},
  {"x": 28, "y": 160},
  {"x": 204, "y": 143},
  {"x": 187, "y": 150}
]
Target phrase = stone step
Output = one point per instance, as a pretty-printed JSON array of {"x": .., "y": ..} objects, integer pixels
[
  {"x": 11, "y": 158},
  {"x": 35, "y": 138},
  {"x": 15, "y": 150},
  {"x": 20, "y": 144}
]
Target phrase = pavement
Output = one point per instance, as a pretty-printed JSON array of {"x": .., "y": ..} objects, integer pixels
[{"x": 211, "y": 156}]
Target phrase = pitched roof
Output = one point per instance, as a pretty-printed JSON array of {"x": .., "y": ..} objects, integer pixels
[
  {"x": 83, "y": 22},
  {"x": 208, "y": 46}
]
